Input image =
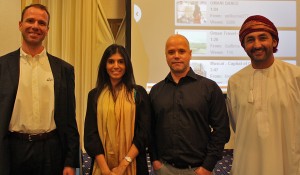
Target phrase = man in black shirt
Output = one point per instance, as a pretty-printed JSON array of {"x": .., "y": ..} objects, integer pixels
[{"x": 190, "y": 121}]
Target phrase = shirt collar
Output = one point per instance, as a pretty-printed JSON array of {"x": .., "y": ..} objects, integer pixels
[
  {"x": 191, "y": 74},
  {"x": 41, "y": 57}
]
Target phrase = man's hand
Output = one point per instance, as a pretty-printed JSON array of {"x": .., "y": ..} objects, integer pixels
[
  {"x": 69, "y": 171},
  {"x": 202, "y": 171},
  {"x": 157, "y": 164}
]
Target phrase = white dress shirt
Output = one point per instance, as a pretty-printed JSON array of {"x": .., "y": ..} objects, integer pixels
[{"x": 34, "y": 104}]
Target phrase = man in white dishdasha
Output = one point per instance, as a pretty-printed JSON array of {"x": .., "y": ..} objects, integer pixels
[{"x": 264, "y": 106}]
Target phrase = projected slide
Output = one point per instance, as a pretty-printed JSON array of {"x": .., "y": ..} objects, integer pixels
[{"x": 212, "y": 29}]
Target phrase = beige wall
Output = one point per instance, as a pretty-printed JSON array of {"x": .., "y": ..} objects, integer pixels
[{"x": 10, "y": 38}]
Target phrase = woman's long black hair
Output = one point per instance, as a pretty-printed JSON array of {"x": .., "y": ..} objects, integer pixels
[{"x": 103, "y": 78}]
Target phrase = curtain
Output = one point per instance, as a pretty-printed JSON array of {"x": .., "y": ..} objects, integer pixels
[{"x": 120, "y": 38}]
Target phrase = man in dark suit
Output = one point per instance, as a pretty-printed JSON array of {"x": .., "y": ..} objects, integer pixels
[{"x": 38, "y": 130}]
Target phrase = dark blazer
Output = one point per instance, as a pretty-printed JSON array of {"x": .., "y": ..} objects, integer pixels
[
  {"x": 92, "y": 140},
  {"x": 64, "y": 114}
]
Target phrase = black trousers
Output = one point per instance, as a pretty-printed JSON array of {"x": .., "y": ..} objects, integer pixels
[{"x": 41, "y": 157}]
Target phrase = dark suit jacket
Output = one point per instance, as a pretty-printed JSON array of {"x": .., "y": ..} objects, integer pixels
[{"x": 64, "y": 114}]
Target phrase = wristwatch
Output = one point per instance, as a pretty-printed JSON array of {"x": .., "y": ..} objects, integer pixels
[{"x": 128, "y": 159}]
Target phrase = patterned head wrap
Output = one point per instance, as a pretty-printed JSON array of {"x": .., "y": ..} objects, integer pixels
[{"x": 258, "y": 23}]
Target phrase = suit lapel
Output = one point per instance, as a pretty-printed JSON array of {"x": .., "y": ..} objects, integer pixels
[
  {"x": 56, "y": 71},
  {"x": 14, "y": 68}
]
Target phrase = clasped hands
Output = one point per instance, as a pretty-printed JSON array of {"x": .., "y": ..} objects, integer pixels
[{"x": 119, "y": 170}]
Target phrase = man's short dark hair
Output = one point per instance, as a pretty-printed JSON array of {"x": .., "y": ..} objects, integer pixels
[{"x": 39, "y": 6}]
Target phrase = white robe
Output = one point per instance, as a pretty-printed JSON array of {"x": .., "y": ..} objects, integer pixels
[{"x": 264, "y": 108}]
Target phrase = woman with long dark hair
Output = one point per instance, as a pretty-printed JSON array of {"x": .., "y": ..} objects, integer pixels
[{"x": 117, "y": 120}]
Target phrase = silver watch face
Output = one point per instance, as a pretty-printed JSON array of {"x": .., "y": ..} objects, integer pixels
[{"x": 128, "y": 159}]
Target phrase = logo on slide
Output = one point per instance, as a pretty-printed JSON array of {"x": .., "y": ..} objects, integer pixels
[{"x": 137, "y": 13}]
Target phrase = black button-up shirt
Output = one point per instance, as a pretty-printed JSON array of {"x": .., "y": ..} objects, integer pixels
[{"x": 190, "y": 121}]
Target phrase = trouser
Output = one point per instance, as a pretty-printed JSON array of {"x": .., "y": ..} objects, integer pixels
[
  {"x": 36, "y": 157},
  {"x": 168, "y": 169}
]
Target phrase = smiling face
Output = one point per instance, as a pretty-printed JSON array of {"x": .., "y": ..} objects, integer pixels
[
  {"x": 34, "y": 26},
  {"x": 115, "y": 67},
  {"x": 178, "y": 55},
  {"x": 259, "y": 47}
]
